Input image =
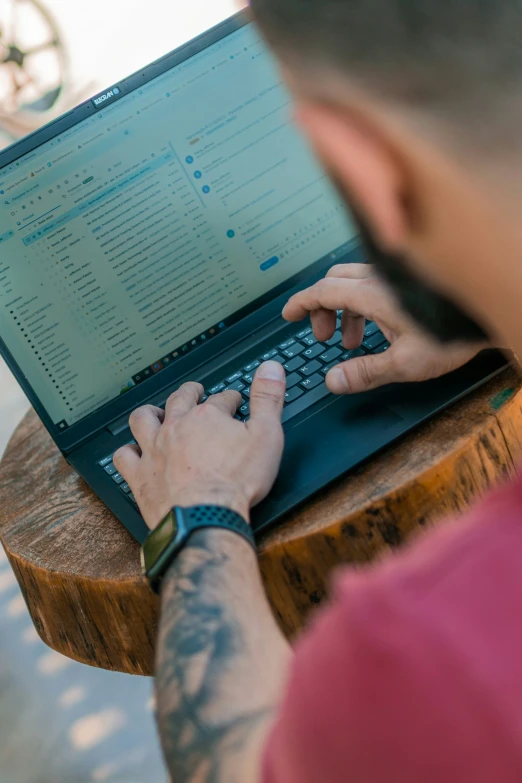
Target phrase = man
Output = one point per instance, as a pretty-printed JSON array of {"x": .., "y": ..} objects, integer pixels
[{"x": 413, "y": 672}]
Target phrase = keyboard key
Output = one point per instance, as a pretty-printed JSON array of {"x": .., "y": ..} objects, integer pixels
[
  {"x": 293, "y": 394},
  {"x": 246, "y": 393},
  {"x": 270, "y": 355},
  {"x": 370, "y": 329},
  {"x": 370, "y": 343},
  {"x": 235, "y": 377},
  {"x": 329, "y": 367},
  {"x": 204, "y": 399},
  {"x": 382, "y": 348},
  {"x": 286, "y": 344},
  {"x": 252, "y": 366},
  {"x": 310, "y": 340},
  {"x": 304, "y": 333},
  {"x": 330, "y": 355},
  {"x": 311, "y": 382},
  {"x": 294, "y": 364},
  {"x": 293, "y": 380},
  {"x": 337, "y": 338},
  {"x": 304, "y": 401},
  {"x": 110, "y": 469},
  {"x": 310, "y": 368},
  {"x": 313, "y": 351},
  {"x": 237, "y": 386},
  {"x": 245, "y": 410},
  {"x": 347, "y": 355},
  {"x": 105, "y": 461},
  {"x": 294, "y": 350},
  {"x": 219, "y": 387},
  {"x": 131, "y": 497},
  {"x": 248, "y": 379},
  {"x": 125, "y": 488},
  {"x": 118, "y": 478}
]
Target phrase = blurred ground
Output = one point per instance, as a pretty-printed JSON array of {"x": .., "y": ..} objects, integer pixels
[{"x": 61, "y": 722}]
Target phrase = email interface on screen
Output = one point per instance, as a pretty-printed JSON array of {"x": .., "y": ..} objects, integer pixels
[{"x": 134, "y": 236}]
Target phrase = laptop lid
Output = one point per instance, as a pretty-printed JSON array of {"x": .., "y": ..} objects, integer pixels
[{"x": 149, "y": 221}]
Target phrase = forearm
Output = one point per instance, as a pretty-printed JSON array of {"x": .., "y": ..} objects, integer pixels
[{"x": 221, "y": 664}]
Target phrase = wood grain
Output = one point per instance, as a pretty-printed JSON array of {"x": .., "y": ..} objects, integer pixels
[{"x": 79, "y": 569}]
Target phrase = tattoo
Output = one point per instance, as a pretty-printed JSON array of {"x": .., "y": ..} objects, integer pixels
[{"x": 205, "y": 716}]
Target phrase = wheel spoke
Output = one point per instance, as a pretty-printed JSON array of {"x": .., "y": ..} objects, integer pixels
[
  {"x": 42, "y": 47},
  {"x": 12, "y": 29}
]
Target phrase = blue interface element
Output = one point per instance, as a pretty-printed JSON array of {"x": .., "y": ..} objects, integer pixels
[{"x": 269, "y": 264}]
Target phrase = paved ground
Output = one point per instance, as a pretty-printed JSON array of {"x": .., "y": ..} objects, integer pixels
[{"x": 61, "y": 722}]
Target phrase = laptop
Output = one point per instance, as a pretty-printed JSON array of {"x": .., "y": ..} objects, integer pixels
[{"x": 152, "y": 236}]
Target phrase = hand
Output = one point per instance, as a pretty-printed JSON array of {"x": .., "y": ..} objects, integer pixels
[
  {"x": 194, "y": 454},
  {"x": 354, "y": 289}
]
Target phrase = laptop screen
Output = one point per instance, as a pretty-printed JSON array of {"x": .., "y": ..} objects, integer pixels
[{"x": 139, "y": 234}]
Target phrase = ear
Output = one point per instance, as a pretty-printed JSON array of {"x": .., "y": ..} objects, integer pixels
[{"x": 365, "y": 166}]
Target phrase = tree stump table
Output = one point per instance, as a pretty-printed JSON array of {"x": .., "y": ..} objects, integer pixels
[{"x": 79, "y": 568}]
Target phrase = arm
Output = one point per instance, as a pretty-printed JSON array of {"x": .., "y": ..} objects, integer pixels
[
  {"x": 221, "y": 663},
  {"x": 221, "y": 660}
]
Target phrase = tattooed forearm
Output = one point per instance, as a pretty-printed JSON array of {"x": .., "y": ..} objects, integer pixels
[{"x": 221, "y": 662}]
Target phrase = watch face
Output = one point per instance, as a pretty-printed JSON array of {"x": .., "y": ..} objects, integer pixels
[{"x": 159, "y": 540}]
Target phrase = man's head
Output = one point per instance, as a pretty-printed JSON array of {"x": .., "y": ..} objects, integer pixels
[{"x": 415, "y": 106}]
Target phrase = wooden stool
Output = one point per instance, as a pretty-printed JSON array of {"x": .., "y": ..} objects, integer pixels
[{"x": 79, "y": 568}]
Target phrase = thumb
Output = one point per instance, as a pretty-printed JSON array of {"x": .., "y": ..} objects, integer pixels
[
  {"x": 267, "y": 394},
  {"x": 363, "y": 374}
]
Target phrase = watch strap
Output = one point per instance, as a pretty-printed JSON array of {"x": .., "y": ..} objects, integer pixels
[
  {"x": 199, "y": 517},
  {"x": 188, "y": 521}
]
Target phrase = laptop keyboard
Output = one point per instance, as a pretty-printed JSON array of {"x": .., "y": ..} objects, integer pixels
[{"x": 306, "y": 362}]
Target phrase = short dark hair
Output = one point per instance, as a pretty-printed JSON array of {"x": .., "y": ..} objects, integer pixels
[{"x": 463, "y": 57}]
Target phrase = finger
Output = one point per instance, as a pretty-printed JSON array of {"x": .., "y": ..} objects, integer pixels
[
  {"x": 323, "y": 323},
  {"x": 267, "y": 395},
  {"x": 352, "y": 271},
  {"x": 360, "y": 297},
  {"x": 364, "y": 373},
  {"x": 352, "y": 327},
  {"x": 126, "y": 460},
  {"x": 144, "y": 423},
  {"x": 183, "y": 400},
  {"x": 227, "y": 401}
]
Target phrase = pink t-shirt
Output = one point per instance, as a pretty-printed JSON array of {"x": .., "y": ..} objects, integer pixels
[{"x": 414, "y": 672}]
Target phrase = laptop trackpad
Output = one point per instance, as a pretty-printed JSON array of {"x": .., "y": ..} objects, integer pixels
[{"x": 327, "y": 444}]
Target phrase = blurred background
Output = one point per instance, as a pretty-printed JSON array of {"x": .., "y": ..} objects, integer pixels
[{"x": 61, "y": 722}]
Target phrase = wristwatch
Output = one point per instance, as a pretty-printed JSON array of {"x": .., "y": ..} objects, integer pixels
[{"x": 163, "y": 544}]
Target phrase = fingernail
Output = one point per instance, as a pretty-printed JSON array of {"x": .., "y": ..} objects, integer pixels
[
  {"x": 337, "y": 381},
  {"x": 271, "y": 371}
]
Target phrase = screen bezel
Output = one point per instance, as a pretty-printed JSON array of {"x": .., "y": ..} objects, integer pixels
[{"x": 250, "y": 318}]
